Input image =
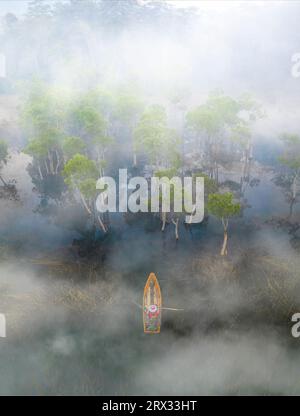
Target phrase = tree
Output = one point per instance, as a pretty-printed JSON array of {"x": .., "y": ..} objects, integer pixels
[
  {"x": 37, "y": 150},
  {"x": 71, "y": 146},
  {"x": 81, "y": 175},
  {"x": 213, "y": 119},
  {"x": 101, "y": 144},
  {"x": 86, "y": 119},
  {"x": 223, "y": 207},
  {"x": 45, "y": 149},
  {"x": 90, "y": 125},
  {"x": 177, "y": 96},
  {"x": 127, "y": 109},
  {"x": 290, "y": 158},
  {"x": 171, "y": 216},
  {"x": 249, "y": 112},
  {"x": 44, "y": 118},
  {"x": 178, "y": 194},
  {"x": 210, "y": 185},
  {"x": 153, "y": 137}
]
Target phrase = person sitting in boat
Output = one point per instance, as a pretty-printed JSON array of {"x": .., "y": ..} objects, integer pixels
[{"x": 153, "y": 311}]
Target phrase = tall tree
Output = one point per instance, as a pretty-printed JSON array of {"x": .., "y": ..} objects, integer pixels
[
  {"x": 155, "y": 139},
  {"x": 71, "y": 146},
  {"x": 175, "y": 196},
  {"x": 223, "y": 207},
  {"x": 127, "y": 109},
  {"x": 88, "y": 122},
  {"x": 213, "y": 119},
  {"x": 290, "y": 158},
  {"x": 81, "y": 175},
  {"x": 249, "y": 112},
  {"x": 43, "y": 117}
]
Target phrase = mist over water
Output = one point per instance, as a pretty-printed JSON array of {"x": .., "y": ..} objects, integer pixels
[{"x": 72, "y": 302}]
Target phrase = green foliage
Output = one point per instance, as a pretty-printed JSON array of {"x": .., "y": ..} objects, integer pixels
[
  {"x": 103, "y": 141},
  {"x": 240, "y": 134},
  {"x": 127, "y": 107},
  {"x": 3, "y": 150},
  {"x": 222, "y": 205},
  {"x": 166, "y": 173},
  {"x": 73, "y": 145},
  {"x": 44, "y": 116},
  {"x": 210, "y": 185},
  {"x": 153, "y": 137},
  {"x": 78, "y": 170},
  {"x": 44, "y": 108},
  {"x": 225, "y": 107},
  {"x": 204, "y": 119},
  {"x": 87, "y": 119},
  {"x": 291, "y": 154},
  {"x": 174, "y": 194},
  {"x": 247, "y": 103},
  {"x": 218, "y": 111},
  {"x": 88, "y": 188},
  {"x": 48, "y": 140},
  {"x": 36, "y": 148}
]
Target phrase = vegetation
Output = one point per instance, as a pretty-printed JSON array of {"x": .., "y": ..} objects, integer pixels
[
  {"x": 95, "y": 86},
  {"x": 3, "y": 156},
  {"x": 92, "y": 125},
  {"x": 290, "y": 158},
  {"x": 223, "y": 207}
]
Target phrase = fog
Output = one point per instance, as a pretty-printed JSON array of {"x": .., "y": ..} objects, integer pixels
[{"x": 72, "y": 295}]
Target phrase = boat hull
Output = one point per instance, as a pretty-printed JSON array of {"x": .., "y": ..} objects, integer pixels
[{"x": 152, "y": 306}]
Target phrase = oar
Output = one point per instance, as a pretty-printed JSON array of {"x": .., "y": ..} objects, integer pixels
[{"x": 140, "y": 306}]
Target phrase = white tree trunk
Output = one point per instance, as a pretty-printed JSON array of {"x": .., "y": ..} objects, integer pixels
[
  {"x": 176, "y": 223},
  {"x": 57, "y": 162},
  {"x": 224, "y": 247},
  {"x": 164, "y": 220},
  {"x": 46, "y": 166},
  {"x": 101, "y": 224},
  {"x": 85, "y": 204},
  {"x": 3, "y": 181},
  {"x": 51, "y": 163},
  {"x": 225, "y": 241},
  {"x": 40, "y": 171},
  {"x": 294, "y": 186}
]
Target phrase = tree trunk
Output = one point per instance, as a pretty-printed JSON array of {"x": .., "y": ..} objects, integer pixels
[
  {"x": 291, "y": 208},
  {"x": 3, "y": 181},
  {"x": 224, "y": 247},
  {"x": 40, "y": 171},
  {"x": 85, "y": 204},
  {"x": 46, "y": 166},
  {"x": 134, "y": 159},
  {"x": 294, "y": 186},
  {"x": 51, "y": 164},
  {"x": 101, "y": 224},
  {"x": 216, "y": 172},
  {"x": 57, "y": 162},
  {"x": 176, "y": 222},
  {"x": 164, "y": 219},
  {"x": 245, "y": 165}
]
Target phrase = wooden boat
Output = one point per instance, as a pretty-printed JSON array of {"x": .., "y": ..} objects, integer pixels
[{"x": 152, "y": 306}]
